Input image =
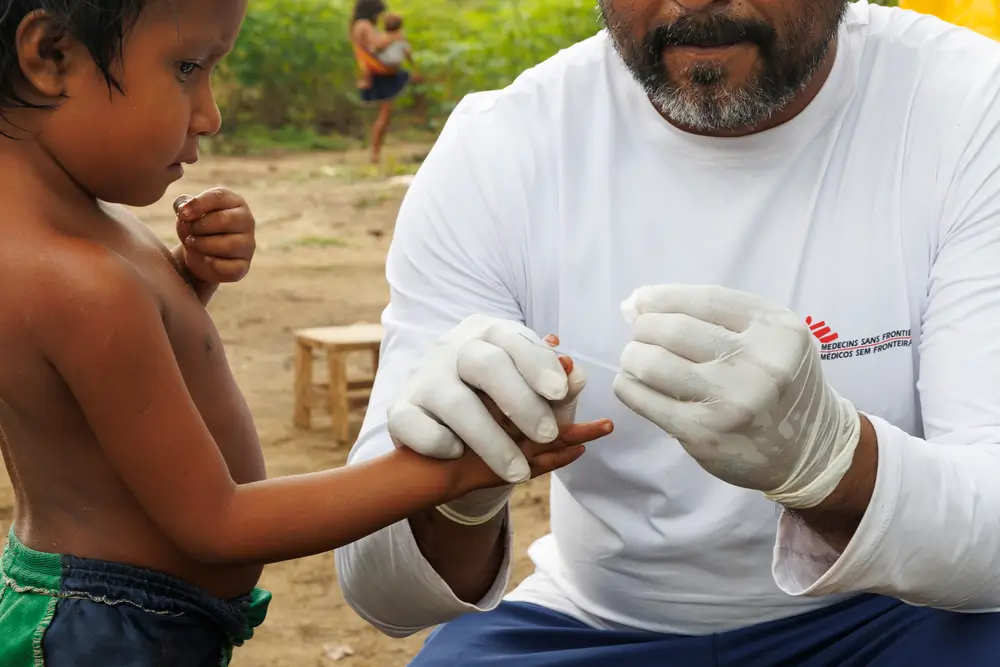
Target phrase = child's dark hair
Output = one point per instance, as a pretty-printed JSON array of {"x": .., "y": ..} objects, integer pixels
[
  {"x": 393, "y": 22},
  {"x": 100, "y": 25}
]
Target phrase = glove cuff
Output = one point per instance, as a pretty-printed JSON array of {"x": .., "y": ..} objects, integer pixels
[
  {"x": 478, "y": 507},
  {"x": 793, "y": 494}
]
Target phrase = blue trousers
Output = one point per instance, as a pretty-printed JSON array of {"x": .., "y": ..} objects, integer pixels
[{"x": 867, "y": 631}]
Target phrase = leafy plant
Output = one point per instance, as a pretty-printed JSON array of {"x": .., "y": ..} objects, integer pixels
[
  {"x": 293, "y": 65},
  {"x": 293, "y": 68}
]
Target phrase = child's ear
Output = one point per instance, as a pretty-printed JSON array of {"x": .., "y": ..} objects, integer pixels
[{"x": 46, "y": 53}]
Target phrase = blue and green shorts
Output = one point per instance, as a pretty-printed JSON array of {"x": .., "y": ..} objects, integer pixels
[{"x": 58, "y": 611}]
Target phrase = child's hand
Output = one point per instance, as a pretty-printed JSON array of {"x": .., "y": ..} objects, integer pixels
[
  {"x": 474, "y": 474},
  {"x": 216, "y": 229},
  {"x": 542, "y": 458}
]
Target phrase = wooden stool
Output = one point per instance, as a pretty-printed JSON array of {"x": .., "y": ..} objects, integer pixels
[{"x": 339, "y": 392}]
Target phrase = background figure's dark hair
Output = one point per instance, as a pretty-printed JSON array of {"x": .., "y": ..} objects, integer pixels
[
  {"x": 366, "y": 10},
  {"x": 100, "y": 25}
]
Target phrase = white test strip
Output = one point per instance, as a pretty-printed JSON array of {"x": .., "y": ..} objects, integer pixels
[{"x": 576, "y": 356}]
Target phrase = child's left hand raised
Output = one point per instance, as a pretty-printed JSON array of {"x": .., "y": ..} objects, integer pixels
[{"x": 216, "y": 229}]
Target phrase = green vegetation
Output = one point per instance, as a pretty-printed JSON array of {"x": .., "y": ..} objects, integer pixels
[
  {"x": 293, "y": 69},
  {"x": 291, "y": 79}
]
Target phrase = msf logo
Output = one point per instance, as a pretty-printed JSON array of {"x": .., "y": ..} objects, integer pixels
[{"x": 821, "y": 331}]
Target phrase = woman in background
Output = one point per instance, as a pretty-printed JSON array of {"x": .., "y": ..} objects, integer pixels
[{"x": 379, "y": 83}]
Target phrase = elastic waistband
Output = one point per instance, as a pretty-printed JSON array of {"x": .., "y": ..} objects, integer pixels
[{"x": 30, "y": 571}]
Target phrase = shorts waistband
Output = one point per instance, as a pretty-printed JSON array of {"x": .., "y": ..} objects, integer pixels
[{"x": 29, "y": 571}]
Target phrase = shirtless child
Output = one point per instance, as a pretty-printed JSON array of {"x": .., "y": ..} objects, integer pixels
[{"x": 143, "y": 517}]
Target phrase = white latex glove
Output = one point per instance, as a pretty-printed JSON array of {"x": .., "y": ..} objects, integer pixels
[
  {"x": 739, "y": 383},
  {"x": 438, "y": 413}
]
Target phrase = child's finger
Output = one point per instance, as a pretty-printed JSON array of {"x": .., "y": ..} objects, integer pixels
[
  {"x": 575, "y": 434},
  {"x": 578, "y": 434},
  {"x": 214, "y": 199},
  {"x": 552, "y": 461},
  {"x": 567, "y": 364},
  {"x": 237, "y": 220},
  {"x": 224, "y": 246},
  {"x": 512, "y": 431}
]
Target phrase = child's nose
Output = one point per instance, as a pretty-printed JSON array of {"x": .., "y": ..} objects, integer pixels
[{"x": 206, "y": 119}]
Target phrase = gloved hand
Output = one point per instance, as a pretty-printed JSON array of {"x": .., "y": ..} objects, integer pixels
[
  {"x": 438, "y": 412},
  {"x": 739, "y": 383}
]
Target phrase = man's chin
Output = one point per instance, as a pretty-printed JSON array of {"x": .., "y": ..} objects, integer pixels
[{"x": 708, "y": 109}]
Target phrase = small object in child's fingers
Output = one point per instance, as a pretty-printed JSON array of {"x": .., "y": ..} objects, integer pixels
[{"x": 180, "y": 201}]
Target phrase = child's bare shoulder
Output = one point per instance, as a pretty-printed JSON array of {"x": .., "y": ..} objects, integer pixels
[{"x": 60, "y": 282}]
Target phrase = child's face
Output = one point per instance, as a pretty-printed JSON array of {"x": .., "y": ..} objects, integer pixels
[{"x": 129, "y": 148}]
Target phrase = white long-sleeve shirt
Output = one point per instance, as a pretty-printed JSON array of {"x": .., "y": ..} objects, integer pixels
[{"x": 876, "y": 211}]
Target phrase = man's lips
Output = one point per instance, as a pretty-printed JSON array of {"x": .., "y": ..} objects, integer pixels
[{"x": 706, "y": 49}]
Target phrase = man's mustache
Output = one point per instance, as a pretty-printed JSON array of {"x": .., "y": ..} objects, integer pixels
[{"x": 716, "y": 31}]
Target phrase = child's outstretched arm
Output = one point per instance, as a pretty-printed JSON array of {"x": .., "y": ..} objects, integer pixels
[{"x": 102, "y": 330}]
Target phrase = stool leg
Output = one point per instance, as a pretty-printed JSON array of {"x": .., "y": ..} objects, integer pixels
[
  {"x": 339, "y": 408},
  {"x": 303, "y": 385}
]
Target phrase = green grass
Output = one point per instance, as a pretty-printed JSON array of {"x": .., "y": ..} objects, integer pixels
[
  {"x": 256, "y": 139},
  {"x": 371, "y": 201}
]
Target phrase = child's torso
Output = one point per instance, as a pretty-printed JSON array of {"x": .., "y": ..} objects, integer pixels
[{"x": 68, "y": 498}]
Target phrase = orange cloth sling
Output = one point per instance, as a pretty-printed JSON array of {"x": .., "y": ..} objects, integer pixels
[{"x": 369, "y": 64}]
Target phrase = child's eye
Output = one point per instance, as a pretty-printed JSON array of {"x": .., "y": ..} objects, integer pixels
[{"x": 186, "y": 69}]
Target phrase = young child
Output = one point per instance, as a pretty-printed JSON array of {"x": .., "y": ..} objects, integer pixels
[
  {"x": 397, "y": 52},
  {"x": 143, "y": 516}
]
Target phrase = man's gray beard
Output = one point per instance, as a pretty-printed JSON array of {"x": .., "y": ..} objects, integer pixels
[{"x": 717, "y": 108}]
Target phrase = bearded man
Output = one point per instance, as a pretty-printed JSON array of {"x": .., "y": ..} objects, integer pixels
[{"x": 805, "y": 467}]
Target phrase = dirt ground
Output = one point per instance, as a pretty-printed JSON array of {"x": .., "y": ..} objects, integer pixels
[{"x": 324, "y": 224}]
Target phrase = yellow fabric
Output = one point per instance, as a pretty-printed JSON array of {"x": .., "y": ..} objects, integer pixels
[{"x": 980, "y": 15}]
